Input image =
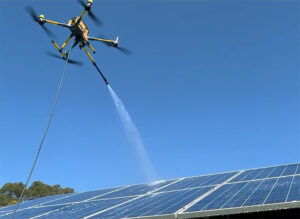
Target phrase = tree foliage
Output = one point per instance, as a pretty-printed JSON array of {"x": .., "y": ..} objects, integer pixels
[{"x": 11, "y": 192}]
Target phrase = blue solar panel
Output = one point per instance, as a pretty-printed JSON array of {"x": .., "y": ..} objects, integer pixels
[
  {"x": 268, "y": 172},
  {"x": 260, "y": 193},
  {"x": 154, "y": 204},
  {"x": 83, "y": 209},
  {"x": 81, "y": 196},
  {"x": 220, "y": 200},
  {"x": 290, "y": 170},
  {"x": 256, "y": 187},
  {"x": 209, "y": 199},
  {"x": 294, "y": 192},
  {"x": 4, "y": 212},
  {"x": 264, "y": 173},
  {"x": 266, "y": 191},
  {"x": 280, "y": 191},
  {"x": 248, "y": 174},
  {"x": 239, "y": 198},
  {"x": 277, "y": 171},
  {"x": 37, "y": 201},
  {"x": 298, "y": 169},
  {"x": 137, "y": 189},
  {"x": 31, "y": 212},
  {"x": 199, "y": 181}
]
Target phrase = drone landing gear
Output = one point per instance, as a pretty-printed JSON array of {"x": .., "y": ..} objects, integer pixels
[{"x": 59, "y": 49}]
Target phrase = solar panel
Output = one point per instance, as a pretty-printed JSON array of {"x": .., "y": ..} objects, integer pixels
[
  {"x": 84, "y": 208},
  {"x": 32, "y": 212},
  {"x": 268, "y": 172},
  {"x": 279, "y": 185},
  {"x": 34, "y": 202},
  {"x": 82, "y": 196},
  {"x": 199, "y": 181},
  {"x": 154, "y": 204},
  {"x": 138, "y": 189},
  {"x": 279, "y": 191},
  {"x": 294, "y": 191},
  {"x": 241, "y": 191},
  {"x": 241, "y": 196}
]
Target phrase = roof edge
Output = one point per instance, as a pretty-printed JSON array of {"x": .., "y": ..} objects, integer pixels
[{"x": 239, "y": 210}]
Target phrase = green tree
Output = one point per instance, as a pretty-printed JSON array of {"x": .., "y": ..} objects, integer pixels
[{"x": 11, "y": 192}]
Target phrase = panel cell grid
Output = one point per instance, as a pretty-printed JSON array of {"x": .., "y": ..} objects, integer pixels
[
  {"x": 250, "y": 193},
  {"x": 81, "y": 196},
  {"x": 32, "y": 212},
  {"x": 268, "y": 172},
  {"x": 37, "y": 201},
  {"x": 278, "y": 185},
  {"x": 290, "y": 170},
  {"x": 200, "y": 181},
  {"x": 154, "y": 204},
  {"x": 294, "y": 191},
  {"x": 80, "y": 210},
  {"x": 242, "y": 195},
  {"x": 279, "y": 191},
  {"x": 137, "y": 189}
]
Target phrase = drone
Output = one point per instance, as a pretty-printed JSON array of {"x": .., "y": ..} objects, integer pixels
[{"x": 79, "y": 31}]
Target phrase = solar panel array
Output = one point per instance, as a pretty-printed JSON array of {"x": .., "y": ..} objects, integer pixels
[{"x": 180, "y": 197}]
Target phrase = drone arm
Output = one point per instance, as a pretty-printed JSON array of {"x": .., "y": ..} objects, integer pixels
[
  {"x": 82, "y": 14},
  {"x": 56, "y": 23},
  {"x": 87, "y": 7},
  {"x": 111, "y": 42}
]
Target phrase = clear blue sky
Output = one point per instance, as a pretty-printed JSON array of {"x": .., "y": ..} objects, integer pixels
[{"x": 212, "y": 86}]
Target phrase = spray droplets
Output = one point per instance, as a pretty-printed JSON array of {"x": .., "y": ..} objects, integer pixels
[{"x": 134, "y": 137}]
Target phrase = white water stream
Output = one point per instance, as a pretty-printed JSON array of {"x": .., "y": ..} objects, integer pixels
[{"x": 135, "y": 138}]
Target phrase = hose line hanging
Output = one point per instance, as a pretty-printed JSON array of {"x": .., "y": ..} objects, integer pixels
[{"x": 45, "y": 132}]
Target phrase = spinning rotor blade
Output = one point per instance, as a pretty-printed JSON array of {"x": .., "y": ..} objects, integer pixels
[
  {"x": 83, "y": 4},
  {"x": 32, "y": 13},
  {"x": 74, "y": 62},
  {"x": 124, "y": 50},
  {"x": 96, "y": 20},
  {"x": 34, "y": 17},
  {"x": 47, "y": 31},
  {"x": 120, "y": 48}
]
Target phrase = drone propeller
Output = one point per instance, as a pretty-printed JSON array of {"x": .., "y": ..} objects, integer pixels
[
  {"x": 74, "y": 62},
  {"x": 120, "y": 48},
  {"x": 90, "y": 13},
  {"x": 123, "y": 50},
  {"x": 34, "y": 17}
]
